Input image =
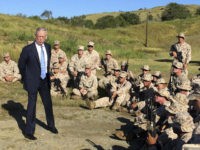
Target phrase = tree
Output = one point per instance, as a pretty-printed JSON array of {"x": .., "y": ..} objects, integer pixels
[
  {"x": 47, "y": 14},
  {"x": 198, "y": 11},
  {"x": 130, "y": 18},
  {"x": 105, "y": 22},
  {"x": 175, "y": 11}
]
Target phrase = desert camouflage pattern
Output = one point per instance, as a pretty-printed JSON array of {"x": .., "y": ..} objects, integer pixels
[
  {"x": 77, "y": 64},
  {"x": 9, "y": 69},
  {"x": 186, "y": 50},
  {"x": 55, "y": 55},
  {"x": 93, "y": 59}
]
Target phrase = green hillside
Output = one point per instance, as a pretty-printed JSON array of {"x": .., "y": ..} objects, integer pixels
[
  {"x": 142, "y": 13},
  {"x": 125, "y": 43}
]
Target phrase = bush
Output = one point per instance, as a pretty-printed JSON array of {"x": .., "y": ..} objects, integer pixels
[
  {"x": 198, "y": 11},
  {"x": 130, "y": 18},
  {"x": 175, "y": 11},
  {"x": 105, "y": 22}
]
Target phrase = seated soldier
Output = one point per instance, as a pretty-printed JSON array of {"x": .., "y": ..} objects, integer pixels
[
  {"x": 9, "y": 71},
  {"x": 156, "y": 75},
  {"x": 161, "y": 84},
  {"x": 177, "y": 78},
  {"x": 77, "y": 66},
  {"x": 63, "y": 67},
  {"x": 109, "y": 63},
  {"x": 105, "y": 83},
  {"x": 55, "y": 52},
  {"x": 120, "y": 95},
  {"x": 87, "y": 87},
  {"x": 58, "y": 81}
]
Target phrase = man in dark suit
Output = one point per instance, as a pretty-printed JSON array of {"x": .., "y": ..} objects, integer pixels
[{"x": 34, "y": 64}]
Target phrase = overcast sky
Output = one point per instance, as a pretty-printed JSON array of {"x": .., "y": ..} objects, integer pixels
[{"x": 72, "y": 8}]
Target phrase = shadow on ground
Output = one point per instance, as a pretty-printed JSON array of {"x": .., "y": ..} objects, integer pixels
[{"x": 17, "y": 111}]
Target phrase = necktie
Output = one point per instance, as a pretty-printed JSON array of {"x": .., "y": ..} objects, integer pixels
[{"x": 42, "y": 64}]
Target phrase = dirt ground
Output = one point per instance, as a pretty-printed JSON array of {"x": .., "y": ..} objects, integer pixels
[{"x": 79, "y": 128}]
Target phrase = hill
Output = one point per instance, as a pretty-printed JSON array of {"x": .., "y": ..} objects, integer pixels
[
  {"x": 142, "y": 13},
  {"x": 126, "y": 43}
]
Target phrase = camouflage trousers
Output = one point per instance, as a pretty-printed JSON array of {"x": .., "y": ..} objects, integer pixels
[
  {"x": 105, "y": 101},
  {"x": 14, "y": 80},
  {"x": 88, "y": 94}
]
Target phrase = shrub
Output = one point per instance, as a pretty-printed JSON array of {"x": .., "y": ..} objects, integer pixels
[{"x": 175, "y": 11}]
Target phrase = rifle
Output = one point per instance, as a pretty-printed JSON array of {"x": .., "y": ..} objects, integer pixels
[
  {"x": 103, "y": 62},
  {"x": 126, "y": 66},
  {"x": 179, "y": 54},
  {"x": 78, "y": 78},
  {"x": 57, "y": 84},
  {"x": 151, "y": 115}
]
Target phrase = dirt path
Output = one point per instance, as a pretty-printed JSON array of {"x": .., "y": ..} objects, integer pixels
[{"x": 78, "y": 129}]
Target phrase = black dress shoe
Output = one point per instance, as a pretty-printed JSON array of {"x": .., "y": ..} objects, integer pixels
[
  {"x": 53, "y": 130},
  {"x": 30, "y": 136}
]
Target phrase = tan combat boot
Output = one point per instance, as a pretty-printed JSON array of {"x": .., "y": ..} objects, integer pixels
[
  {"x": 90, "y": 104},
  {"x": 115, "y": 106}
]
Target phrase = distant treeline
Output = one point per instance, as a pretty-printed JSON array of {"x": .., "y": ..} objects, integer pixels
[{"x": 171, "y": 11}]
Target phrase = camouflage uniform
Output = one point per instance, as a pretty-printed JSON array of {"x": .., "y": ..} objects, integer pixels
[
  {"x": 89, "y": 84},
  {"x": 92, "y": 58},
  {"x": 55, "y": 55},
  {"x": 56, "y": 87},
  {"x": 110, "y": 63},
  {"x": 184, "y": 49},
  {"x": 122, "y": 91},
  {"x": 9, "y": 69},
  {"x": 77, "y": 66},
  {"x": 55, "y": 90},
  {"x": 108, "y": 80}
]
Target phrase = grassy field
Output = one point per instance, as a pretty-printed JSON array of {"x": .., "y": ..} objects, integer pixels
[
  {"x": 142, "y": 13},
  {"x": 125, "y": 43}
]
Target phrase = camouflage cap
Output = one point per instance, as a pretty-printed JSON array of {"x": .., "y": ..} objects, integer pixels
[
  {"x": 6, "y": 54},
  {"x": 147, "y": 77},
  {"x": 88, "y": 66},
  {"x": 81, "y": 47},
  {"x": 29, "y": 42},
  {"x": 116, "y": 69},
  {"x": 182, "y": 35},
  {"x": 90, "y": 43},
  {"x": 55, "y": 66},
  {"x": 56, "y": 42},
  {"x": 175, "y": 108},
  {"x": 184, "y": 121},
  {"x": 156, "y": 74},
  {"x": 146, "y": 67},
  {"x": 108, "y": 52},
  {"x": 123, "y": 74},
  {"x": 186, "y": 85},
  {"x": 178, "y": 65},
  {"x": 61, "y": 55},
  {"x": 164, "y": 93},
  {"x": 181, "y": 99},
  {"x": 161, "y": 81},
  {"x": 123, "y": 63}
]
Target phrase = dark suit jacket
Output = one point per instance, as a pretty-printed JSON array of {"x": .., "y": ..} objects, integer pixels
[{"x": 29, "y": 66}]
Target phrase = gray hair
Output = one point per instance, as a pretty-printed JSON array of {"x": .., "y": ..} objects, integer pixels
[{"x": 40, "y": 29}]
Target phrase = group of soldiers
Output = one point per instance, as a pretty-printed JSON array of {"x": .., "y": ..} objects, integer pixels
[{"x": 167, "y": 112}]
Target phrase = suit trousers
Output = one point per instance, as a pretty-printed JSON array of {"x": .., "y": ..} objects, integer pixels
[{"x": 44, "y": 91}]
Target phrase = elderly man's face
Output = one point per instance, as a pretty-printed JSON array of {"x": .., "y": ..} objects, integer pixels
[{"x": 40, "y": 37}]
